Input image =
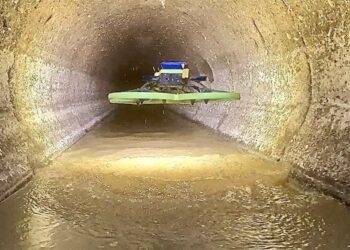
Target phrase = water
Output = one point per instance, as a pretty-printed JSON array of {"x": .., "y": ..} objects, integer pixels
[{"x": 167, "y": 184}]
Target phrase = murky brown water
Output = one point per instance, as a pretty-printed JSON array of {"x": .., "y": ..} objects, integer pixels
[{"x": 167, "y": 184}]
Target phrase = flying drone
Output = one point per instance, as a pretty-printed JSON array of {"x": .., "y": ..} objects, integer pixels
[{"x": 172, "y": 85}]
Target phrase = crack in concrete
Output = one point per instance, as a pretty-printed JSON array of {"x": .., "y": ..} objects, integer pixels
[
  {"x": 222, "y": 119},
  {"x": 309, "y": 90},
  {"x": 286, "y": 5},
  {"x": 11, "y": 94},
  {"x": 48, "y": 19},
  {"x": 259, "y": 32}
]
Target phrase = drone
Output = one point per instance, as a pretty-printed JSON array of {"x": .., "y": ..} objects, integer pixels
[{"x": 172, "y": 84}]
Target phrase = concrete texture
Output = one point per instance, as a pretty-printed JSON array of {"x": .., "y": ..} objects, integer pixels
[
  {"x": 289, "y": 59},
  {"x": 295, "y": 91},
  {"x": 14, "y": 164}
]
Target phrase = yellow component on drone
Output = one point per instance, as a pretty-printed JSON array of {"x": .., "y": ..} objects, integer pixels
[{"x": 185, "y": 73}]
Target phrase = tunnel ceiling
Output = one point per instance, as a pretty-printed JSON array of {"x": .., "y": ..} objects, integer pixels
[{"x": 289, "y": 59}]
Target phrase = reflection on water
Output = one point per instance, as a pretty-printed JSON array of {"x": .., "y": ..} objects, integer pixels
[{"x": 165, "y": 183}]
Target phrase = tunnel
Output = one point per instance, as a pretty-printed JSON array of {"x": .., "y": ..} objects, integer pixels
[{"x": 289, "y": 60}]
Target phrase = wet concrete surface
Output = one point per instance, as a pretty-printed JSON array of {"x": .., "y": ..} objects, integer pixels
[{"x": 143, "y": 180}]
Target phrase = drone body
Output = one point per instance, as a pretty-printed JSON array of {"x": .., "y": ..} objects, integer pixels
[{"x": 172, "y": 85}]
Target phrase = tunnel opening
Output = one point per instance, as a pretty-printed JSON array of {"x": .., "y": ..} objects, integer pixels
[
  {"x": 140, "y": 49},
  {"x": 144, "y": 47},
  {"x": 140, "y": 52}
]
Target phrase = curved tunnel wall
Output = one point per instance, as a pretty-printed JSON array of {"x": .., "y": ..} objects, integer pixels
[{"x": 288, "y": 59}]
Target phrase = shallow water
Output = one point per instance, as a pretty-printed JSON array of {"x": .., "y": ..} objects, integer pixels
[{"x": 166, "y": 183}]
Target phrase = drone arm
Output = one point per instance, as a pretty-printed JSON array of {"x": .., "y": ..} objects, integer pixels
[
  {"x": 150, "y": 78},
  {"x": 199, "y": 79}
]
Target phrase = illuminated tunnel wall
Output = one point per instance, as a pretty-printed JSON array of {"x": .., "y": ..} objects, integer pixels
[{"x": 289, "y": 59}]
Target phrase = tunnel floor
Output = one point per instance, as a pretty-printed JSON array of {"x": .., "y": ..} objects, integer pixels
[{"x": 144, "y": 180}]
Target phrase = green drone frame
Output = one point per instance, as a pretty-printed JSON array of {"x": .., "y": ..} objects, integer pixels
[{"x": 140, "y": 98}]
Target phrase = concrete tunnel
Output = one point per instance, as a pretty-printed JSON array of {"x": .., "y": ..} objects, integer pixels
[{"x": 289, "y": 59}]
